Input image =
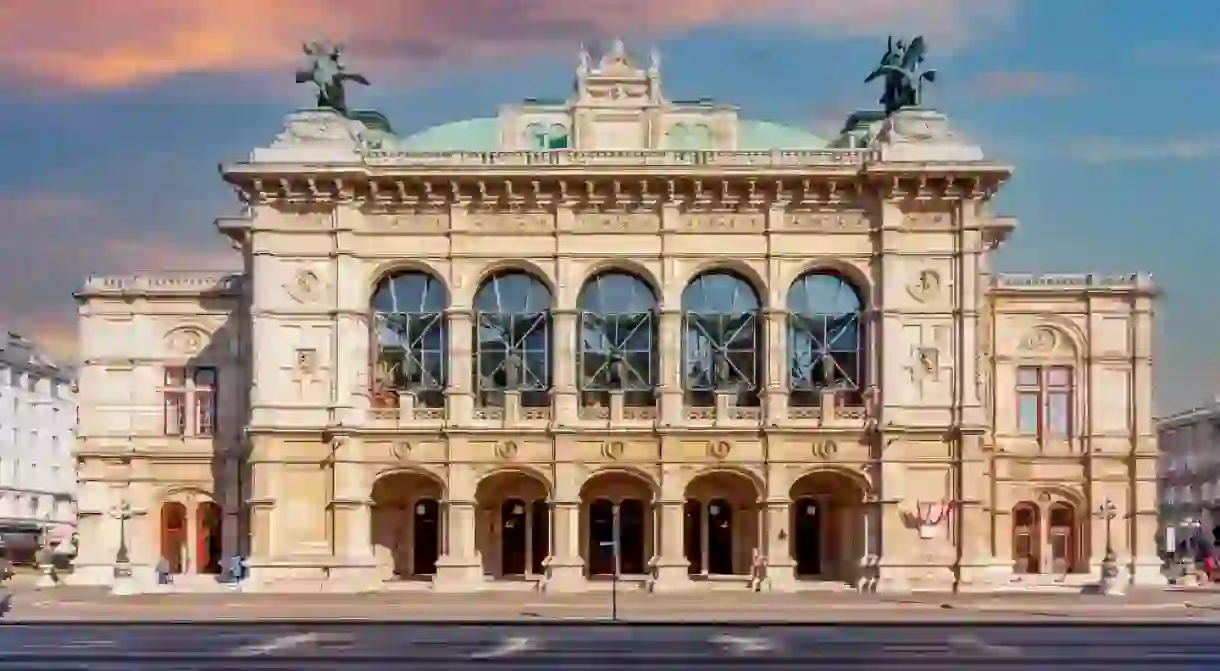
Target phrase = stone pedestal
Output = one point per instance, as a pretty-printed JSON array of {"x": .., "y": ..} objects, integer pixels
[
  {"x": 565, "y": 575},
  {"x": 458, "y": 574},
  {"x": 1112, "y": 581},
  {"x": 670, "y": 575},
  {"x": 917, "y": 134}
]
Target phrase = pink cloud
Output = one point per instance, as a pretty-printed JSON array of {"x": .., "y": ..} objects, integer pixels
[
  {"x": 1020, "y": 84},
  {"x": 101, "y": 44}
]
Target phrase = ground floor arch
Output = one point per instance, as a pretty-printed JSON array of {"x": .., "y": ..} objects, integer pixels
[
  {"x": 1048, "y": 534},
  {"x": 513, "y": 528},
  {"x": 721, "y": 524},
  {"x": 827, "y": 519},
  {"x": 190, "y": 534},
  {"x": 406, "y": 524},
  {"x": 616, "y": 507}
]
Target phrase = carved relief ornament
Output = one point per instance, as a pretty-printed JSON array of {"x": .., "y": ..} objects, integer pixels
[
  {"x": 719, "y": 449},
  {"x": 825, "y": 449},
  {"x": 1040, "y": 340},
  {"x": 925, "y": 286},
  {"x": 626, "y": 222},
  {"x": 828, "y": 221},
  {"x": 401, "y": 450},
  {"x": 613, "y": 450},
  {"x": 305, "y": 287},
  {"x": 507, "y": 450},
  {"x": 724, "y": 223},
  {"x": 186, "y": 341}
]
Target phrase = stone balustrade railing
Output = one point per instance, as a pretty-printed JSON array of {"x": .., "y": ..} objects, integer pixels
[
  {"x": 190, "y": 282},
  {"x": 1071, "y": 280},
  {"x": 636, "y": 157}
]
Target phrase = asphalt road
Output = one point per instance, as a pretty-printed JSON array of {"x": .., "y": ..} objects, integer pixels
[{"x": 319, "y": 645}]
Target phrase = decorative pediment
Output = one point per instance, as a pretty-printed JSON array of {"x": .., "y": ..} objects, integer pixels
[{"x": 1043, "y": 340}]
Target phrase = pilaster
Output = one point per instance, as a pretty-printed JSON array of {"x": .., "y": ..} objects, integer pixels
[
  {"x": 670, "y": 340},
  {"x": 565, "y": 398},
  {"x": 459, "y": 394}
]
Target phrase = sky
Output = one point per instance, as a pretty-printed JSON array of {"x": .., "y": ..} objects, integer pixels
[{"x": 115, "y": 113}]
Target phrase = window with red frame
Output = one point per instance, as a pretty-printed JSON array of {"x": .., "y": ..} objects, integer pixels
[
  {"x": 1044, "y": 401},
  {"x": 190, "y": 401}
]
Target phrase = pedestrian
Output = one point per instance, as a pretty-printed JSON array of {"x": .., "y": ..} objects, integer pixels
[{"x": 163, "y": 575}]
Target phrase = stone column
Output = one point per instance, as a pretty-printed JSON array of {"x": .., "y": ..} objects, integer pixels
[
  {"x": 355, "y": 567},
  {"x": 775, "y": 353},
  {"x": 191, "y": 556},
  {"x": 231, "y": 508},
  {"x": 670, "y": 342},
  {"x": 458, "y": 570},
  {"x": 670, "y": 565},
  {"x": 460, "y": 394},
  {"x": 781, "y": 568},
  {"x": 564, "y": 396},
  {"x": 565, "y": 570}
]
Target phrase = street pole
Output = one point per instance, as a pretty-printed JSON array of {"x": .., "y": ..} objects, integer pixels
[{"x": 613, "y": 544}]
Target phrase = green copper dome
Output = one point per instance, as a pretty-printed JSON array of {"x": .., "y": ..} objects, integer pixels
[
  {"x": 467, "y": 135},
  {"x": 755, "y": 135},
  {"x": 483, "y": 134}
]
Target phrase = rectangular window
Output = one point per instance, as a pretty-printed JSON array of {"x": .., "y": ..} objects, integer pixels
[
  {"x": 175, "y": 413},
  {"x": 1044, "y": 401},
  {"x": 190, "y": 401}
]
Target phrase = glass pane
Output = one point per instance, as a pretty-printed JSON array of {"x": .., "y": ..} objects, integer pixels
[
  {"x": 205, "y": 413},
  {"x": 617, "y": 333},
  {"x": 175, "y": 413},
  {"x": 1058, "y": 412},
  {"x": 1059, "y": 376},
  {"x": 1027, "y": 413},
  {"x": 1027, "y": 376},
  {"x": 175, "y": 377},
  {"x": 824, "y": 333},
  {"x": 205, "y": 377}
]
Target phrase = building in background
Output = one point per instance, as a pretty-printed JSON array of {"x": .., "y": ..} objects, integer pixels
[
  {"x": 475, "y": 356},
  {"x": 37, "y": 447},
  {"x": 1188, "y": 475}
]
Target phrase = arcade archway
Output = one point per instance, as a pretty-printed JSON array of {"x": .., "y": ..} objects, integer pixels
[
  {"x": 827, "y": 522},
  {"x": 721, "y": 524},
  {"x": 513, "y": 533},
  {"x": 616, "y": 506},
  {"x": 406, "y": 524}
]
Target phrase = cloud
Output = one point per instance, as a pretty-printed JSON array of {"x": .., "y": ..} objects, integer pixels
[
  {"x": 1177, "y": 53},
  {"x": 104, "y": 44},
  {"x": 1017, "y": 84},
  {"x": 1114, "y": 150},
  {"x": 52, "y": 242}
]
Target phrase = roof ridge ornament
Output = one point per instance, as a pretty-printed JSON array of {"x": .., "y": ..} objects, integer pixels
[
  {"x": 324, "y": 68},
  {"x": 903, "y": 73}
]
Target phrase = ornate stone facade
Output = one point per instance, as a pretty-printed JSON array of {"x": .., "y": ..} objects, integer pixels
[{"x": 487, "y": 367}]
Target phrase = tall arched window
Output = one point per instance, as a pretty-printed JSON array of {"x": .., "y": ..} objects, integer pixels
[
  {"x": 536, "y": 137},
  {"x": 720, "y": 339},
  {"x": 617, "y": 339},
  {"x": 409, "y": 328},
  {"x": 825, "y": 339},
  {"x": 512, "y": 338},
  {"x": 678, "y": 137},
  {"x": 557, "y": 137}
]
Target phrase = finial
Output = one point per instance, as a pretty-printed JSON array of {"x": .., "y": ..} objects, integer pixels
[
  {"x": 654, "y": 59},
  {"x": 618, "y": 49},
  {"x": 583, "y": 60}
]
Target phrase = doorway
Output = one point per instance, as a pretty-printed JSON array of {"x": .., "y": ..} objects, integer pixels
[
  {"x": 426, "y": 527},
  {"x": 513, "y": 538},
  {"x": 807, "y": 537}
]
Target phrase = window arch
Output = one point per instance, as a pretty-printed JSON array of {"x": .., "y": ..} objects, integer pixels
[
  {"x": 678, "y": 137},
  {"x": 557, "y": 137},
  {"x": 536, "y": 136},
  {"x": 512, "y": 338},
  {"x": 410, "y": 335},
  {"x": 720, "y": 338},
  {"x": 825, "y": 339},
  {"x": 618, "y": 336}
]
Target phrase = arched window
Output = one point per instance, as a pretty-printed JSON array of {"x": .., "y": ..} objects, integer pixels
[
  {"x": 409, "y": 328},
  {"x": 720, "y": 339},
  {"x": 536, "y": 137},
  {"x": 557, "y": 137},
  {"x": 618, "y": 338},
  {"x": 825, "y": 339},
  {"x": 678, "y": 137},
  {"x": 512, "y": 338}
]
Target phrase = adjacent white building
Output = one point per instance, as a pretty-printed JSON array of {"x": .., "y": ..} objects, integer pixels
[
  {"x": 37, "y": 433},
  {"x": 1188, "y": 473}
]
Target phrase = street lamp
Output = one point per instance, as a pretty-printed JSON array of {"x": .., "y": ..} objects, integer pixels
[
  {"x": 1109, "y": 564},
  {"x": 122, "y": 563},
  {"x": 613, "y": 544}
]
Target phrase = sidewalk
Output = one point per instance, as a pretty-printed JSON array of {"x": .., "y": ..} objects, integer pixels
[{"x": 79, "y": 604}]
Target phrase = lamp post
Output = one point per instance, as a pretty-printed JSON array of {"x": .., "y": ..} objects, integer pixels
[
  {"x": 1109, "y": 564},
  {"x": 122, "y": 563},
  {"x": 45, "y": 556},
  {"x": 613, "y": 544}
]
